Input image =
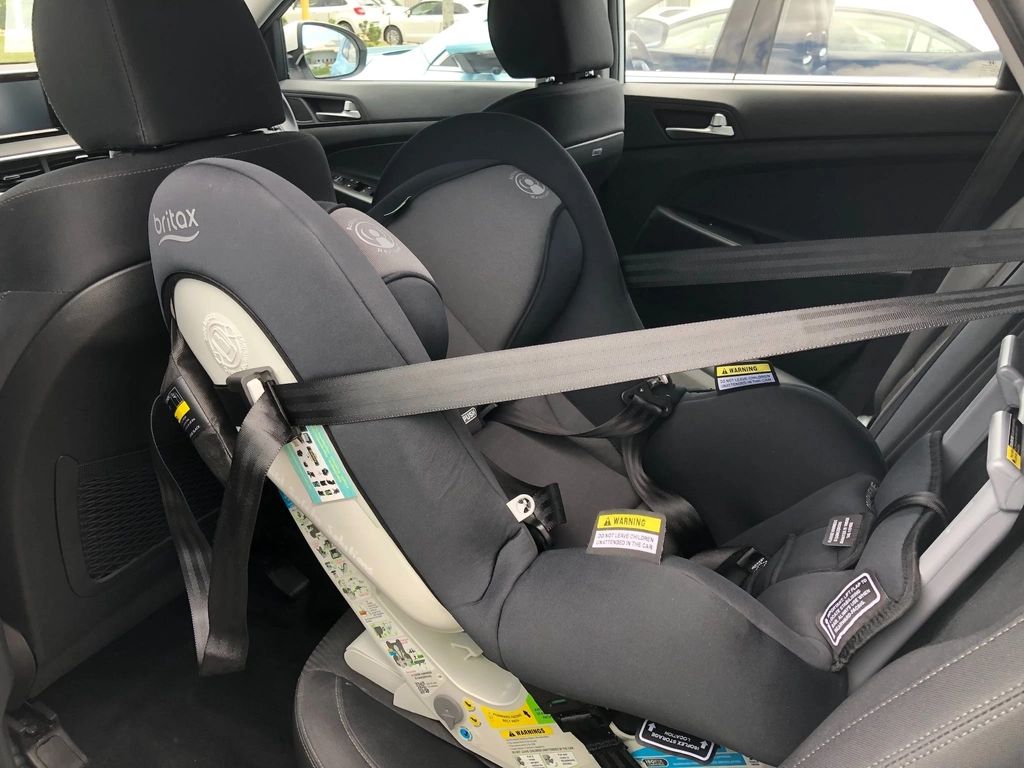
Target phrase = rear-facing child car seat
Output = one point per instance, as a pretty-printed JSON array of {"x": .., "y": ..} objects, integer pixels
[
  {"x": 525, "y": 257},
  {"x": 415, "y": 529}
]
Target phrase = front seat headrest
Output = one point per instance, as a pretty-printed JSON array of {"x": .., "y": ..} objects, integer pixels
[
  {"x": 550, "y": 38},
  {"x": 128, "y": 74}
]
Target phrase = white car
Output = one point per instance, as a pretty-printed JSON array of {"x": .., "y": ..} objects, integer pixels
[
  {"x": 348, "y": 14},
  {"x": 424, "y": 20}
]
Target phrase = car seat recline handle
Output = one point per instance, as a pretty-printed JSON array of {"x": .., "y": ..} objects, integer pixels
[{"x": 719, "y": 126}]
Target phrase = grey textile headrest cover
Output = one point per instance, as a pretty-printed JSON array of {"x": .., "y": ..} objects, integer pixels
[
  {"x": 131, "y": 74},
  {"x": 404, "y": 275},
  {"x": 548, "y": 38}
]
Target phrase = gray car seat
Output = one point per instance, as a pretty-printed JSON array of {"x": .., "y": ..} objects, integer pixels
[
  {"x": 566, "y": 44},
  {"x": 548, "y": 271},
  {"x": 84, "y": 552},
  {"x": 445, "y": 553}
]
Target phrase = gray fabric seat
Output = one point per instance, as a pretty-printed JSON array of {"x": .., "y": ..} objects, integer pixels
[
  {"x": 757, "y": 643},
  {"x": 85, "y": 552},
  {"x": 565, "y": 44}
]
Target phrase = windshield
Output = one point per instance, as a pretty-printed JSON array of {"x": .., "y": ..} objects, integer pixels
[{"x": 16, "y": 32}]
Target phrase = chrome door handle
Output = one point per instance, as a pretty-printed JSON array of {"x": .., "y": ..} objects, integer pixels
[
  {"x": 349, "y": 111},
  {"x": 719, "y": 127}
]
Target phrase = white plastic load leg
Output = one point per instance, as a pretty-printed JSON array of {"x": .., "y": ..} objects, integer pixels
[{"x": 986, "y": 520}]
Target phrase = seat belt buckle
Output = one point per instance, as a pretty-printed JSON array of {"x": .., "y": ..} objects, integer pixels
[
  {"x": 659, "y": 392},
  {"x": 254, "y": 384}
]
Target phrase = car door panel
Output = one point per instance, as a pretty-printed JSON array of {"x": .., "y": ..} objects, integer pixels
[
  {"x": 805, "y": 162},
  {"x": 389, "y": 114}
]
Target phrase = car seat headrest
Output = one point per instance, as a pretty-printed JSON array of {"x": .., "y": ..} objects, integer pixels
[
  {"x": 209, "y": 211},
  {"x": 404, "y": 275},
  {"x": 550, "y": 38},
  {"x": 125, "y": 74}
]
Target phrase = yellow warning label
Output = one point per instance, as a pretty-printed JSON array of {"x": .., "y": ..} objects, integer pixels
[
  {"x": 1013, "y": 456},
  {"x": 527, "y": 733},
  {"x": 181, "y": 410},
  {"x": 739, "y": 370},
  {"x": 499, "y": 719},
  {"x": 631, "y": 522}
]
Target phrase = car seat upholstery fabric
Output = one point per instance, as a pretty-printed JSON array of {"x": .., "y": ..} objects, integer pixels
[
  {"x": 78, "y": 316},
  {"x": 449, "y": 516},
  {"x": 573, "y": 112},
  {"x": 105, "y": 196},
  {"x": 111, "y": 72},
  {"x": 543, "y": 268}
]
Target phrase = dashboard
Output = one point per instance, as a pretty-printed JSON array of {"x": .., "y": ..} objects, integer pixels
[
  {"x": 24, "y": 111},
  {"x": 32, "y": 141}
]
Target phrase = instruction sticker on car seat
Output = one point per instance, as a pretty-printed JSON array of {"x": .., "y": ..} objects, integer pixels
[
  {"x": 744, "y": 376},
  {"x": 661, "y": 737},
  {"x": 1013, "y": 444},
  {"x": 842, "y": 531},
  {"x": 629, "y": 533},
  {"x": 318, "y": 465},
  {"x": 854, "y": 606}
]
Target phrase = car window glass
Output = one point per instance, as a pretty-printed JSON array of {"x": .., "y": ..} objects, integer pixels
[
  {"x": 673, "y": 40},
  {"x": 885, "y": 41},
  {"x": 15, "y": 32},
  {"x": 430, "y": 40}
]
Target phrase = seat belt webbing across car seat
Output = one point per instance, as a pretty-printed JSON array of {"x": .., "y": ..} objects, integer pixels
[
  {"x": 822, "y": 258},
  {"x": 215, "y": 580}
]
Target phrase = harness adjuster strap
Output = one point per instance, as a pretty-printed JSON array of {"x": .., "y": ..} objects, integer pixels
[{"x": 543, "y": 511}]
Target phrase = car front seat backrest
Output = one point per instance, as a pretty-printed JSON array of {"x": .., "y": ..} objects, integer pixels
[
  {"x": 567, "y": 43},
  {"x": 84, "y": 552}
]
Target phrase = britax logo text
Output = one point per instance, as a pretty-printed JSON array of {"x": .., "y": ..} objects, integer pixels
[{"x": 176, "y": 221}]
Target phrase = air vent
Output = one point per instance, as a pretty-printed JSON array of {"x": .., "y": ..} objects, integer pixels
[
  {"x": 54, "y": 162},
  {"x": 14, "y": 172}
]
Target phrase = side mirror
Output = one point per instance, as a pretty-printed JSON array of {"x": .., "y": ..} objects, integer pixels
[
  {"x": 325, "y": 51},
  {"x": 652, "y": 32}
]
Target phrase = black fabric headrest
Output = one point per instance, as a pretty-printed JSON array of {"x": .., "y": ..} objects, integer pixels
[
  {"x": 128, "y": 74},
  {"x": 549, "y": 38}
]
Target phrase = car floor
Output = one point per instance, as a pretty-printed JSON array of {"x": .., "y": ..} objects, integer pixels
[{"x": 140, "y": 701}]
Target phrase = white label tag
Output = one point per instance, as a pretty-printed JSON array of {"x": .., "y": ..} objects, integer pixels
[
  {"x": 849, "y": 607},
  {"x": 637, "y": 541}
]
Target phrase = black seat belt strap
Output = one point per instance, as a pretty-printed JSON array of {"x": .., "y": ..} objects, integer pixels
[
  {"x": 989, "y": 175},
  {"x": 523, "y": 372},
  {"x": 822, "y": 258},
  {"x": 647, "y": 404},
  {"x": 216, "y": 579}
]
